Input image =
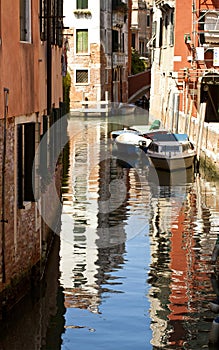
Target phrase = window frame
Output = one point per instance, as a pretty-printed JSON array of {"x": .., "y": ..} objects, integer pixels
[
  {"x": 77, "y": 43},
  {"x": 26, "y": 147},
  {"x": 88, "y": 76},
  {"x": 81, "y": 7},
  {"x": 25, "y": 21}
]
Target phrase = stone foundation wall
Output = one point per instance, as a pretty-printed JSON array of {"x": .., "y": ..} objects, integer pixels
[
  {"x": 209, "y": 139},
  {"x": 25, "y": 239}
]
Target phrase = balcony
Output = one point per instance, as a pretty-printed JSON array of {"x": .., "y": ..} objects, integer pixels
[
  {"x": 118, "y": 19},
  {"x": 165, "y": 3},
  {"x": 211, "y": 27}
]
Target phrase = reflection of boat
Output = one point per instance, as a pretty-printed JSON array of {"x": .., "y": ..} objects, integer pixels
[
  {"x": 175, "y": 178},
  {"x": 122, "y": 109},
  {"x": 171, "y": 152},
  {"x": 128, "y": 143}
]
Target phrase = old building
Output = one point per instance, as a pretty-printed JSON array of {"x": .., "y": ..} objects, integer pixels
[
  {"x": 98, "y": 50},
  {"x": 30, "y": 102},
  {"x": 185, "y": 70},
  {"x": 141, "y": 28}
]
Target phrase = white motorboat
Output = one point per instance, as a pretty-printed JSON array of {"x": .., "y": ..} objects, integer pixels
[
  {"x": 129, "y": 143},
  {"x": 171, "y": 152}
]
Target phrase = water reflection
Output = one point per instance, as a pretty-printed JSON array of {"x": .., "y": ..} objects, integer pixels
[
  {"x": 29, "y": 326},
  {"x": 181, "y": 269},
  {"x": 122, "y": 219},
  {"x": 135, "y": 255}
]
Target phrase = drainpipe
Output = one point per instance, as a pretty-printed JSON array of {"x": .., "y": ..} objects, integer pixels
[
  {"x": 49, "y": 59},
  {"x": 3, "y": 220},
  {"x": 112, "y": 97}
]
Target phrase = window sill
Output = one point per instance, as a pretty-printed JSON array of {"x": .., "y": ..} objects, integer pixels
[{"x": 82, "y": 84}]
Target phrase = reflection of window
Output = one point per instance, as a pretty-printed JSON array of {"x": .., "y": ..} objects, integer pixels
[
  {"x": 82, "y": 4},
  {"x": 81, "y": 76},
  {"x": 25, "y": 20},
  {"x": 81, "y": 40}
]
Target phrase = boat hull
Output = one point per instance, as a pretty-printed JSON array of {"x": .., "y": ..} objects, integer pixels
[{"x": 171, "y": 163}]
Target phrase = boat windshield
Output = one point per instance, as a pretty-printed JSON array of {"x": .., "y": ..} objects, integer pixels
[
  {"x": 163, "y": 137},
  {"x": 170, "y": 148}
]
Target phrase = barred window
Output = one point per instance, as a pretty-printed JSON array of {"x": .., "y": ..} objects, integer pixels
[
  {"x": 82, "y": 76},
  {"x": 82, "y": 4}
]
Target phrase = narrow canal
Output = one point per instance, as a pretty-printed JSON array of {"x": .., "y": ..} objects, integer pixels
[{"x": 132, "y": 266}]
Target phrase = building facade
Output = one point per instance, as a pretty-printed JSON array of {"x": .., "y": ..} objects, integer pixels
[
  {"x": 141, "y": 28},
  {"x": 185, "y": 69},
  {"x": 30, "y": 101},
  {"x": 98, "y": 50}
]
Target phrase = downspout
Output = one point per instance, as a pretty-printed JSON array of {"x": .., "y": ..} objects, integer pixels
[
  {"x": 3, "y": 220},
  {"x": 112, "y": 97},
  {"x": 49, "y": 59}
]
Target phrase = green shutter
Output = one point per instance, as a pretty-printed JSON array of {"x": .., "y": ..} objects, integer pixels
[
  {"x": 82, "y": 4},
  {"x": 82, "y": 41}
]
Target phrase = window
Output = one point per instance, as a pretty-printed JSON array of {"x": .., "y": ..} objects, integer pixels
[
  {"x": 171, "y": 37},
  {"x": 211, "y": 27},
  {"x": 161, "y": 33},
  {"x": 165, "y": 30},
  {"x": 141, "y": 47},
  {"x": 82, "y": 4},
  {"x": 52, "y": 16},
  {"x": 25, "y": 160},
  {"x": 115, "y": 41},
  {"x": 43, "y": 22},
  {"x": 25, "y": 20},
  {"x": 81, "y": 76},
  {"x": 81, "y": 40},
  {"x": 133, "y": 40},
  {"x": 148, "y": 20}
]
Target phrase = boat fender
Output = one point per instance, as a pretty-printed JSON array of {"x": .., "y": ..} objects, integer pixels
[
  {"x": 214, "y": 332},
  {"x": 214, "y": 306},
  {"x": 215, "y": 252},
  {"x": 214, "y": 283}
]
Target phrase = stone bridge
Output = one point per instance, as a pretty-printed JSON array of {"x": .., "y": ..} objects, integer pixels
[{"x": 139, "y": 84}]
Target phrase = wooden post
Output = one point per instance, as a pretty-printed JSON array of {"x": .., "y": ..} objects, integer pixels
[
  {"x": 189, "y": 118},
  {"x": 200, "y": 133}
]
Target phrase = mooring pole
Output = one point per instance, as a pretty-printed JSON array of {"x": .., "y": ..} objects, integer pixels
[{"x": 3, "y": 220}]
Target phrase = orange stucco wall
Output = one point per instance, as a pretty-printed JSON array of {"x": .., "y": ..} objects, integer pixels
[
  {"x": 183, "y": 25},
  {"x": 23, "y": 65}
]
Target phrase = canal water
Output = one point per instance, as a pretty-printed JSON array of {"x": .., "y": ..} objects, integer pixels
[{"x": 132, "y": 266}]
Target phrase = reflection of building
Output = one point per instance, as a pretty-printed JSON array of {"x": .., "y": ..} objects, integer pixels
[
  {"x": 181, "y": 231},
  {"x": 38, "y": 319},
  {"x": 97, "y": 207},
  {"x": 79, "y": 221}
]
